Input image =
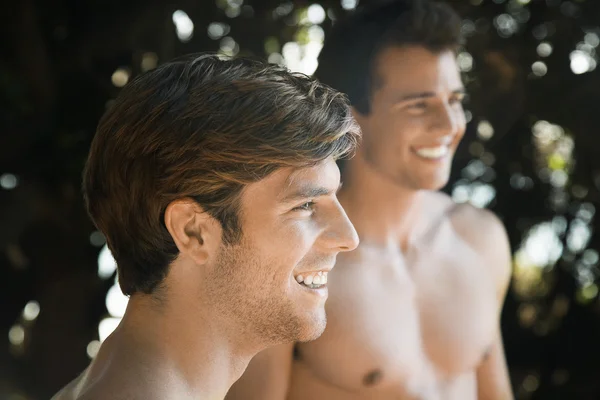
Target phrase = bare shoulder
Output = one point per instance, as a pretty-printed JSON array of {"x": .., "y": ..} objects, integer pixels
[
  {"x": 479, "y": 227},
  {"x": 110, "y": 386},
  {"x": 119, "y": 392},
  {"x": 486, "y": 234}
]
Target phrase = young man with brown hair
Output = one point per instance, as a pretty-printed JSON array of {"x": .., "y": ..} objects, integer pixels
[
  {"x": 413, "y": 312},
  {"x": 215, "y": 185}
]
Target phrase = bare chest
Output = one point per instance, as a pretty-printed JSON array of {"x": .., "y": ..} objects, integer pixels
[{"x": 406, "y": 321}]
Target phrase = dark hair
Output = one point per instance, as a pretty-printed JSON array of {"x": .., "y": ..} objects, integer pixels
[
  {"x": 202, "y": 128},
  {"x": 347, "y": 59}
]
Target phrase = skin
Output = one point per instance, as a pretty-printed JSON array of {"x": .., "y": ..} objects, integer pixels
[
  {"x": 222, "y": 304},
  {"x": 413, "y": 312}
]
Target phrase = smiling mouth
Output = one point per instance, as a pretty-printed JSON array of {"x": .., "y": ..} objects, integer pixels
[
  {"x": 433, "y": 153},
  {"x": 313, "y": 280}
]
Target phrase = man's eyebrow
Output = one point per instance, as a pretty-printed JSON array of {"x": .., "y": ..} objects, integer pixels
[
  {"x": 307, "y": 192},
  {"x": 424, "y": 95}
]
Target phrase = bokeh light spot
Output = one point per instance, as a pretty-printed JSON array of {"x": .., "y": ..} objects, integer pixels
[
  {"x": 316, "y": 14},
  {"x": 106, "y": 263},
  {"x": 120, "y": 77},
  {"x": 467, "y": 27},
  {"x": 461, "y": 193},
  {"x": 506, "y": 25},
  {"x": 587, "y": 293},
  {"x": 184, "y": 26},
  {"x": 468, "y": 116},
  {"x": 149, "y": 61},
  {"x": 216, "y": 30},
  {"x": 539, "y": 68},
  {"x": 559, "y": 178},
  {"x": 283, "y": 9},
  {"x": 8, "y": 181},
  {"x": 116, "y": 301},
  {"x": 578, "y": 236},
  {"x": 97, "y": 239},
  {"x": 16, "y": 335},
  {"x": 592, "y": 39},
  {"x": 465, "y": 61},
  {"x": 590, "y": 257},
  {"x": 276, "y": 58},
  {"x": 233, "y": 11},
  {"x": 531, "y": 383},
  {"x": 92, "y": 348},
  {"x": 485, "y": 130},
  {"x": 581, "y": 62},
  {"x": 107, "y": 326},
  {"x": 349, "y": 4},
  {"x": 544, "y": 49},
  {"x": 229, "y": 47},
  {"x": 527, "y": 315},
  {"x": 31, "y": 310}
]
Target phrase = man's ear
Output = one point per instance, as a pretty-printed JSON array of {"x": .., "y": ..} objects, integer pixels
[{"x": 196, "y": 234}]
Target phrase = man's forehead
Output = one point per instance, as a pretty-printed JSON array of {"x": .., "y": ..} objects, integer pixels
[
  {"x": 286, "y": 181},
  {"x": 323, "y": 173},
  {"x": 416, "y": 69}
]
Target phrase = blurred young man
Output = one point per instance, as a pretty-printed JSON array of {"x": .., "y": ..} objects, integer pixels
[
  {"x": 215, "y": 185},
  {"x": 414, "y": 311}
]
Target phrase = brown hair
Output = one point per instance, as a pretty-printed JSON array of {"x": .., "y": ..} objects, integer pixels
[
  {"x": 203, "y": 128},
  {"x": 351, "y": 48}
]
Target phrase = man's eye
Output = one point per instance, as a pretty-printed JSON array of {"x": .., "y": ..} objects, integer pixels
[
  {"x": 421, "y": 105},
  {"x": 308, "y": 206},
  {"x": 458, "y": 99},
  {"x": 417, "y": 108}
]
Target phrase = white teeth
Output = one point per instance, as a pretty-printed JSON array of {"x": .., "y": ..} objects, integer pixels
[
  {"x": 433, "y": 152},
  {"x": 316, "y": 279}
]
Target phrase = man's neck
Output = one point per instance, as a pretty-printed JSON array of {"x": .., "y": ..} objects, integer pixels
[
  {"x": 202, "y": 352},
  {"x": 381, "y": 210}
]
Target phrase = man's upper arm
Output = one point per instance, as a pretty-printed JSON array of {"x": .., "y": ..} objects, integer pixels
[
  {"x": 267, "y": 376},
  {"x": 499, "y": 255},
  {"x": 488, "y": 235}
]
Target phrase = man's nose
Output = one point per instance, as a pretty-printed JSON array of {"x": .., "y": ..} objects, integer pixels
[{"x": 340, "y": 235}]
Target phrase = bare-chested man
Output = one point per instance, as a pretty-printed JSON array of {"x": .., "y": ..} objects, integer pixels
[
  {"x": 215, "y": 185},
  {"x": 413, "y": 313}
]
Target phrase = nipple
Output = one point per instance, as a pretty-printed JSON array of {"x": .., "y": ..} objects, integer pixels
[{"x": 373, "y": 378}]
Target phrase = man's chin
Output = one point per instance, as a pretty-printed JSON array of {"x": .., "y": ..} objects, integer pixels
[
  {"x": 433, "y": 183},
  {"x": 314, "y": 328},
  {"x": 436, "y": 186}
]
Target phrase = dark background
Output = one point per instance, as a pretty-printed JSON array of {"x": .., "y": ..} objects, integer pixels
[{"x": 531, "y": 154}]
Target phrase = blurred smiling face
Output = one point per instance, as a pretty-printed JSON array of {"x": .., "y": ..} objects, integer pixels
[
  {"x": 275, "y": 280},
  {"x": 416, "y": 119}
]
